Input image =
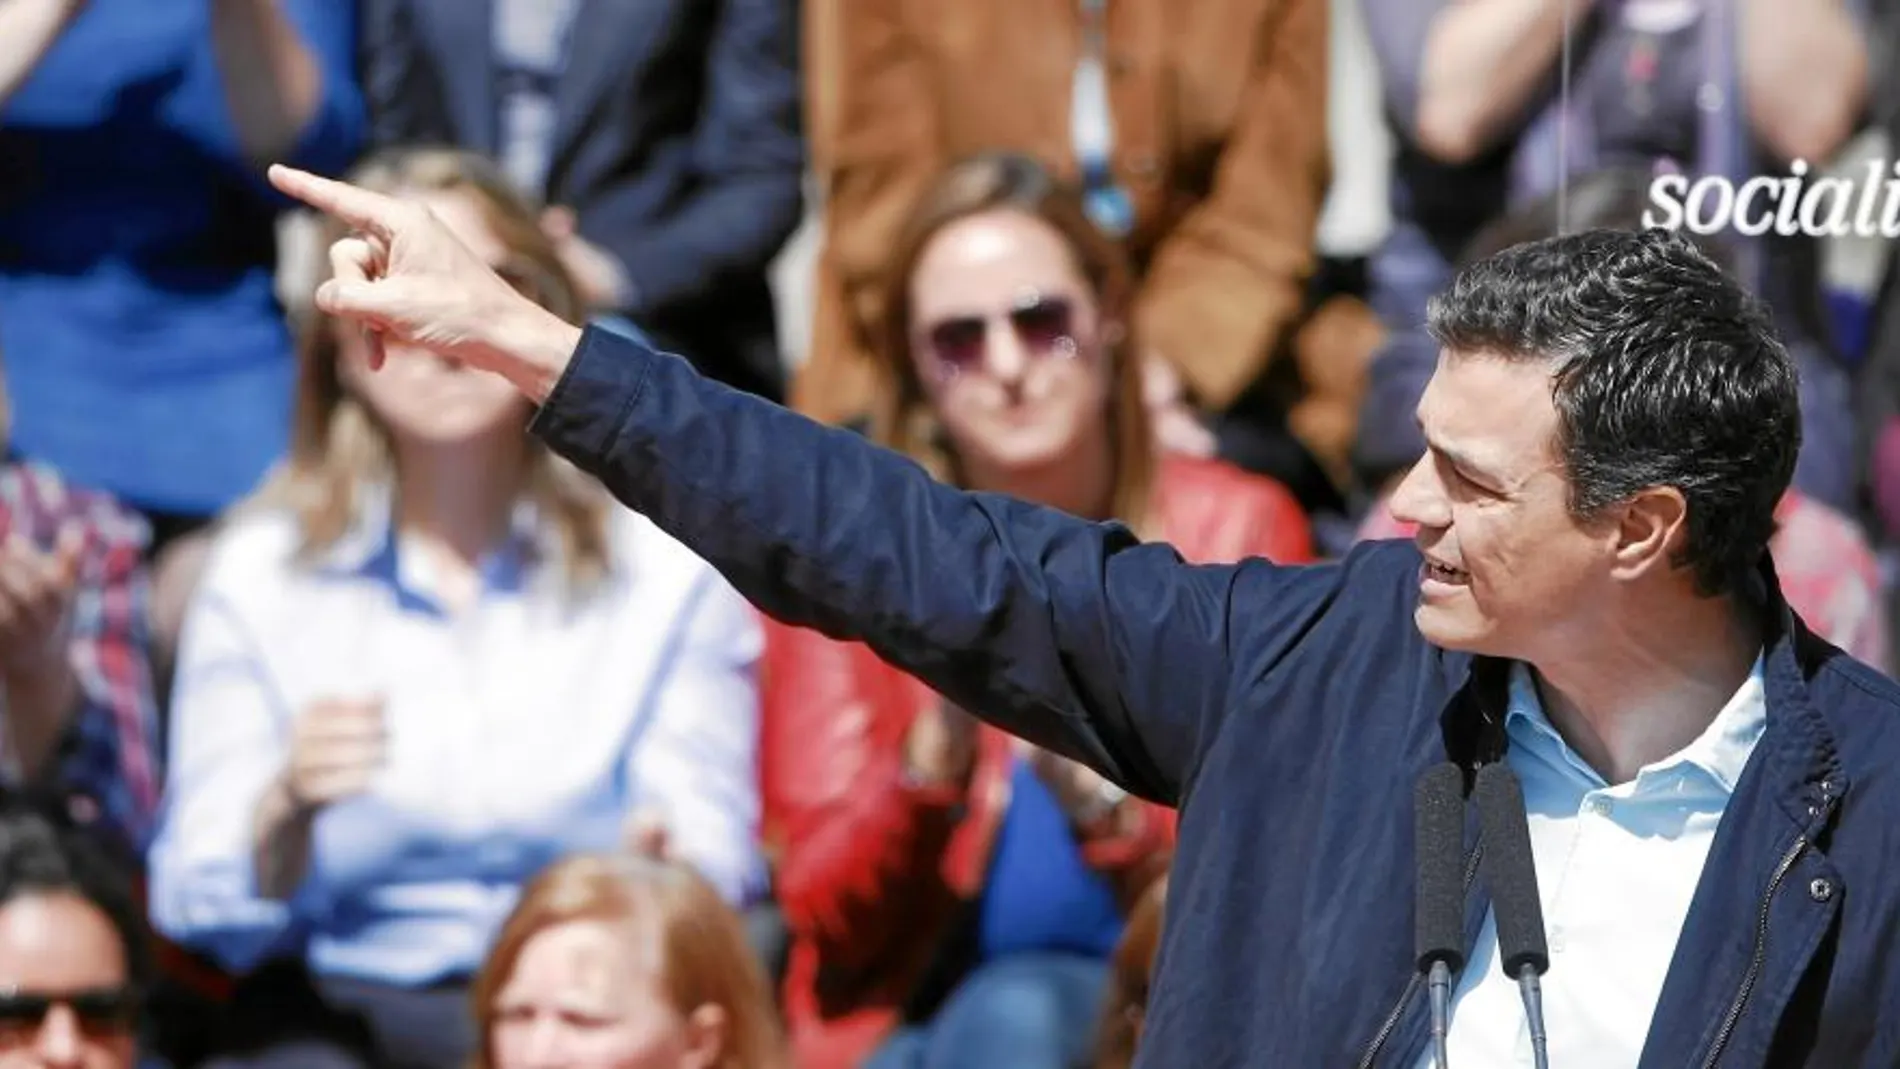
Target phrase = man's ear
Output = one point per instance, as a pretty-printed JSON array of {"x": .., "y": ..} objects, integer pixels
[{"x": 1650, "y": 531}]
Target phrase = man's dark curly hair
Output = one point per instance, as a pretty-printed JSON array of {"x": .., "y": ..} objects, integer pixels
[
  {"x": 42, "y": 854},
  {"x": 1666, "y": 373}
]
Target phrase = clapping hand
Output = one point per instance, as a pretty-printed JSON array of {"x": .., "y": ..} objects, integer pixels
[
  {"x": 646, "y": 834},
  {"x": 941, "y": 744},
  {"x": 337, "y": 748},
  {"x": 1176, "y": 425},
  {"x": 36, "y": 598},
  {"x": 1081, "y": 791},
  {"x": 601, "y": 281}
]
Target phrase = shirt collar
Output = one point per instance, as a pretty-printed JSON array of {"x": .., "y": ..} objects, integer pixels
[
  {"x": 1804, "y": 757},
  {"x": 369, "y": 548},
  {"x": 1720, "y": 752}
]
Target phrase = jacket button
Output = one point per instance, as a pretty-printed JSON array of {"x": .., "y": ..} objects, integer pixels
[{"x": 1821, "y": 890}]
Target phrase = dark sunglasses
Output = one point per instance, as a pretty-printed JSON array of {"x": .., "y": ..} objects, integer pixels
[
  {"x": 101, "y": 1011},
  {"x": 1044, "y": 325}
]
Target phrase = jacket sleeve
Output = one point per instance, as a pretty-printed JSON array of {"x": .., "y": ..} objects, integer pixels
[
  {"x": 876, "y": 146},
  {"x": 860, "y": 849},
  {"x": 748, "y": 154},
  {"x": 1230, "y": 278},
  {"x": 858, "y": 870},
  {"x": 1072, "y": 635},
  {"x": 115, "y": 727},
  {"x": 696, "y": 762},
  {"x": 228, "y": 738},
  {"x": 333, "y": 135},
  {"x": 1399, "y": 30},
  {"x": 401, "y": 93}
]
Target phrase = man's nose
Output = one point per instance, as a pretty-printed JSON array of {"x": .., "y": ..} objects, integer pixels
[{"x": 1419, "y": 498}]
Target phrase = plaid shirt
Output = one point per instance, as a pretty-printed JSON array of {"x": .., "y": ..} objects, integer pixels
[{"x": 107, "y": 761}]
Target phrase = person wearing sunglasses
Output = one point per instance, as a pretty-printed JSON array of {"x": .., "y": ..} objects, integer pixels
[
  {"x": 1196, "y": 132},
  {"x": 74, "y": 956},
  {"x": 1007, "y": 367}
]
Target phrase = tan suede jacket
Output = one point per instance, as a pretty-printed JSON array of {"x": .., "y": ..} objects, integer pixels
[{"x": 1219, "y": 111}]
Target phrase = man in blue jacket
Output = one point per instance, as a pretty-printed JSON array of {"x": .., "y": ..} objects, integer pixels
[{"x": 1711, "y": 790}]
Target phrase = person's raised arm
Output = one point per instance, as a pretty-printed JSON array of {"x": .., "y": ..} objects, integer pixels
[
  {"x": 1470, "y": 75},
  {"x": 876, "y": 143},
  {"x": 1804, "y": 75},
  {"x": 1227, "y": 282},
  {"x": 1070, "y": 634},
  {"x": 286, "y": 68}
]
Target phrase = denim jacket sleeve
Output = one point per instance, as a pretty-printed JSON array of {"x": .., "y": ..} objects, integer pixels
[{"x": 1073, "y": 635}]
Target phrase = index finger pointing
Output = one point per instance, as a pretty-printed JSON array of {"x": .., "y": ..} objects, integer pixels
[{"x": 360, "y": 208}]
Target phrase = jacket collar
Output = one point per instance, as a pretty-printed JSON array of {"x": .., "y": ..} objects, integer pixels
[{"x": 1797, "y": 751}]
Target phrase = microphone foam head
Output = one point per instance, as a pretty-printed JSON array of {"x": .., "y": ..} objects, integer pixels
[
  {"x": 1509, "y": 872},
  {"x": 1439, "y": 811}
]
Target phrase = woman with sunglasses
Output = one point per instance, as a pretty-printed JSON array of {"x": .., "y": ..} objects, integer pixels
[
  {"x": 73, "y": 953},
  {"x": 427, "y": 661},
  {"x": 955, "y": 895}
]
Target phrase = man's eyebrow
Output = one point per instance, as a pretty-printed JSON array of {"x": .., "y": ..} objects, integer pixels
[{"x": 1464, "y": 462}]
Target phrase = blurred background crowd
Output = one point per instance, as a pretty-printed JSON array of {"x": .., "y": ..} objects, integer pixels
[{"x": 344, "y": 726}]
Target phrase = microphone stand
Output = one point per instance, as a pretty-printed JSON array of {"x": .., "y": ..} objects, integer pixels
[
  {"x": 1533, "y": 994},
  {"x": 1440, "y": 986}
]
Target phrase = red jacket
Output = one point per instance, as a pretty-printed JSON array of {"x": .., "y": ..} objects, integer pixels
[{"x": 872, "y": 870}]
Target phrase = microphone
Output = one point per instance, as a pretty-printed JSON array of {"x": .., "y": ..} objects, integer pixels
[
  {"x": 1439, "y": 814},
  {"x": 1511, "y": 876}
]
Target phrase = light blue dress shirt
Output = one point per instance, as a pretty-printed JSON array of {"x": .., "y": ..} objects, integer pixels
[
  {"x": 525, "y": 727},
  {"x": 1616, "y": 869}
]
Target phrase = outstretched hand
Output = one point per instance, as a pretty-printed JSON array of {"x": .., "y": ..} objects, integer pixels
[{"x": 403, "y": 276}]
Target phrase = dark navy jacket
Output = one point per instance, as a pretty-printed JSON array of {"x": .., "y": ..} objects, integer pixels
[{"x": 1288, "y": 713}]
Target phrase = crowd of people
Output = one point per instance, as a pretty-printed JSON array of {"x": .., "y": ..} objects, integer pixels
[{"x": 346, "y": 725}]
